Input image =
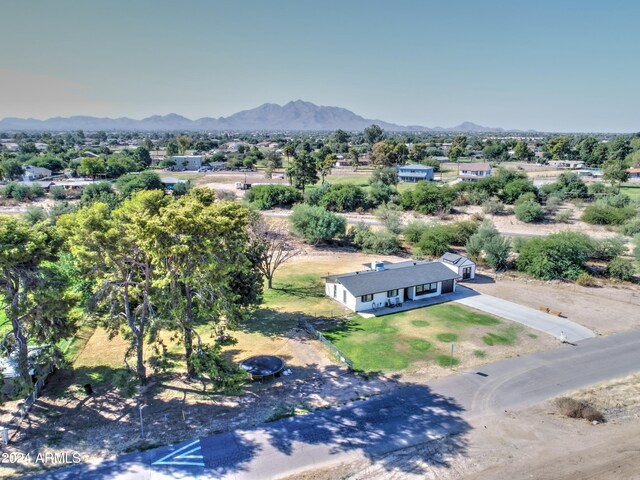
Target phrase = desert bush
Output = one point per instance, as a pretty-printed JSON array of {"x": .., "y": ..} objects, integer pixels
[
  {"x": 563, "y": 216},
  {"x": 225, "y": 195},
  {"x": 609, "y": 248},
  {"x": 630, "y": 227},
  {"x": 585, "y": 280},
  {"x": 556, "y": 256},
  {"x": 572, "y": 408},
  {"x": 390, "y": 217},
  {"x": 57, "y": 192},
  {"x": 529, "y": 212},
  {"x": 316, "y": 224},
  {"x": 265, "y": 197},
  {"x": 383, "y": 242},
  {"x": 598, "y": 214},
  {"x": 413, "y": 230},
  {"x": 493, "y": 206},
  {"x": 620, "y": 269}
]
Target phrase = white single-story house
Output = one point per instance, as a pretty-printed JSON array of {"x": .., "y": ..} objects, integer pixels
[
  {"x": 385, "y": 283},
  {"x": 187, "y": 162},
  {"x": 32, "y": 173},
  {"x": 414, "y": 173},
  {"x": 634, "y": 174},
  {"x": 474, "y": 171},
  {"x": 463, "y": 266}
]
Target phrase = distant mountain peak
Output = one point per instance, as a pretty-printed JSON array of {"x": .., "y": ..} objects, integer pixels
[{"x": 296, "y": 115}]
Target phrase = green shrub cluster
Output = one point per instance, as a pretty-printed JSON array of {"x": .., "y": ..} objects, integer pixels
[{"x": 266, "y": 197}]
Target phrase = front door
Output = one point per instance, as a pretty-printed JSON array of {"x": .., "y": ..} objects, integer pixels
[
  {"x": 466, "y": 273},
  {"x": 406, "y": 294}
]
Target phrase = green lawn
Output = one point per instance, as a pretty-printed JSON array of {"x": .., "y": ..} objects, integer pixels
[
  {"x": 631, "y": 189},
  {"x": 398, "y": 341}
]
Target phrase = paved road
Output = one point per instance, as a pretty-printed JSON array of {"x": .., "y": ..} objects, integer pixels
[
  {"x": 408, "y": 416},
  {"x": 559, "y": 327}
]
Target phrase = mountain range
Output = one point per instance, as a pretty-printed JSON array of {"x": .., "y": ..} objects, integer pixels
[{"x": 294, "y": 116}]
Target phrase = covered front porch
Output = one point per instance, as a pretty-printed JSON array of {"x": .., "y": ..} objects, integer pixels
[{"x": 461, "y": 292}]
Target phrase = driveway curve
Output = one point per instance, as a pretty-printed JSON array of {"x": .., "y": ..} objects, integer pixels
[{"x": 561, "y": 328}]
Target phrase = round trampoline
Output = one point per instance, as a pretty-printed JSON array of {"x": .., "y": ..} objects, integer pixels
[{"x": 263, "y": 367}]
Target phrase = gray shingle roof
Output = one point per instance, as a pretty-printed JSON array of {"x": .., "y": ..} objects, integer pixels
[
  {"x": 395, "y": 275},
  {"x": 453, "y": 259}
]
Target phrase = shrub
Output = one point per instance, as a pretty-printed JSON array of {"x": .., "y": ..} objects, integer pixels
[
  {"x": 497, "y": 251},
  {"x": 131, "y": 183},
  {"x": 620, "y": 269},
  {"x": 572, "y": 408},
  {"x": 36, "y": 191},
  {"x": 428, "y": 198},
  {"x": 529, "y": 212},
  {"x": 380, "y": 193},
  {"x": 383, "y": 242},
  {"x": 316, "y": 224},
  {"x": 57, "y": 192},
  {"x": 462, "y": 230},
  {"x": 598, "y": 214},
  {"x": 617, "y": 201},
  {"x": 609, "y": 248},
  {"x": 474, "y": 247},
  {"x": 390, "y": 218},
  {"x": 563, "y": 216},
  {"x": 630, "y": 228},
  {"x": 34, "y": 215},
  {"x": 266, "y": 197},
  {"x": 225, "y": 195},
  {"x": 413, "y": 230},
  {"x": 20, "y": 192},
  {"x": 585, "y": 280},
  {"x": 516, "y": 188},
  {"x": 343, "y": 198},
  {"x": 98, "y": 191},
  {"x": 553, "y": 203},
  {"x": 556, "y": 256},
  {"x": 435, "y": 240},
  {"x": 493, "y": 206},
  {"x": 526, "y": 197}
]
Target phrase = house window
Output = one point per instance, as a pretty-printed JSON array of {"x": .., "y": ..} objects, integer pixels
[
  {"x": 392, "y": 293},
  {"x": 366, "y": 298},
  {"x": 335, "y": 291},
  {"x": 426, "y": 288},
  {"x": 344, "y": 296}
]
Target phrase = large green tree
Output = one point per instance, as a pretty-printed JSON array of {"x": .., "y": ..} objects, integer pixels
[
  {"x": 199, "y": 247},
  {"x": 114, "y": 249},
  {"x": 302, "y": 170},
  {"x": 33, "y": 292}
]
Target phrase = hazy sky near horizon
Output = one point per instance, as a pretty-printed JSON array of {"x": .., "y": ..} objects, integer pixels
[{"x": 552, "y": 65}]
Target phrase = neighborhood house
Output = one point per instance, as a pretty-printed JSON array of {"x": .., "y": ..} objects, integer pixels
[
  {"x": 634, "y": 175},
  {"x": 187, "y": 162},
  {"x": 415, "y": 173},
  {"x": 470, "y": 172},
  {"x": 385, "y": 284}
]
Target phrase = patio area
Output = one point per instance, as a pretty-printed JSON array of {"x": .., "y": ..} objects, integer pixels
[{"x": 460, "y": 293}]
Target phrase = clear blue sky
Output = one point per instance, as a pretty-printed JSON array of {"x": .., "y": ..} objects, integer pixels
[{"x": 548, "y": 65}]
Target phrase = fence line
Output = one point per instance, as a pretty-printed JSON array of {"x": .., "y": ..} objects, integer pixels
[
  {"x": 326, "y": 342},
  {"x": 16, "y": 421}
]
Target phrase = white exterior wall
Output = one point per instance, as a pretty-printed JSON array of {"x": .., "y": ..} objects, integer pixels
[
  {"x": 355, "y": 303},
  {"x": 459, "y": 269}
]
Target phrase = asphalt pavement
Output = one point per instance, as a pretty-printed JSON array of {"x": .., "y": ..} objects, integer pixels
[{"x": 410, "y": 415}]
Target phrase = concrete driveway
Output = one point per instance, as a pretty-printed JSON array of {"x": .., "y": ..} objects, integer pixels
[{"x": 561, "y": 328}]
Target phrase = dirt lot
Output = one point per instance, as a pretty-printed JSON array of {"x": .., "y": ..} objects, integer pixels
[
  {"x": 533, "y": 443},
  {"x": 605, "y": 310}
]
